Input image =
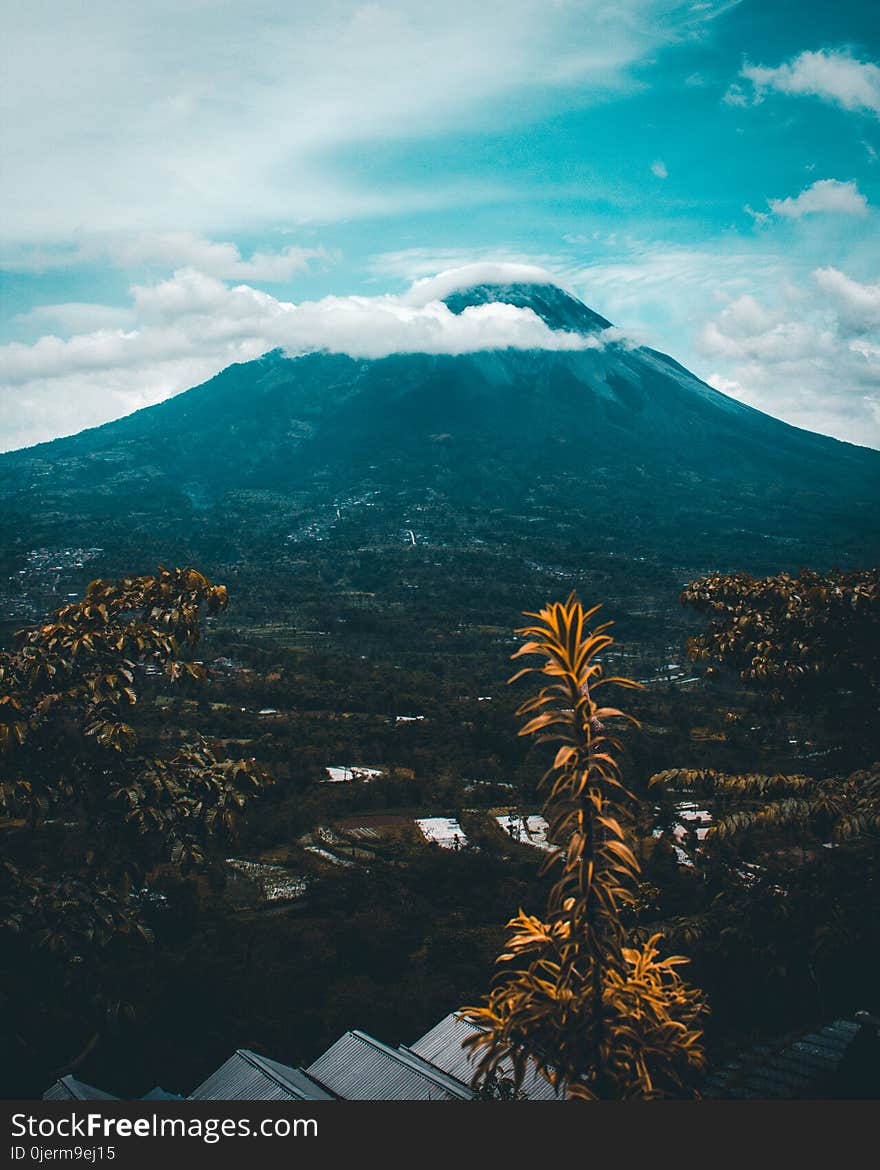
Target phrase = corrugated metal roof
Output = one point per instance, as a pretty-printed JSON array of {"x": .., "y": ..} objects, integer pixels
[
  {"x": 800, "y": 1069},
  {"x": 301, "y": 1084},
  {"x": 360, "y": 1068},
  {"x": 442, "y": 1046},
  {"x": 70, "y": 1089},
  {"x": 249, "y": 1077},
  {"x": 437, "y": 1068}
]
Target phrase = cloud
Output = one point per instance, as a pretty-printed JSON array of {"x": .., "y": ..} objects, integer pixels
[
  {"x": 747, "y": 331},
  {"x": 658, "y": 168},
  {"x": 165, "y": 250},
  {"x": 658, "y": 289},
  {"x": 70, "y": 401},
  {"x": 825, "y": 195},
  {"x": 413, "y": 264},
  {"x": 212, "y": 117},
  {"x": 435, "y": 288},
  {"x": 800, "y": 360},
  {"x": 191, "y": 325},
  {"x": 76, "y": 316},
  {"x": 736, "y": 96},
  {"x": 832, "y": 75},
  {"x": 857, "y": 305},
  {"x": 760, "y": 217},
  {"x": 185, "y": 250}
]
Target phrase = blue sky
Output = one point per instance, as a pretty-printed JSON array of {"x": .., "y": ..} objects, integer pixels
[{"x": 180, "y": 176}]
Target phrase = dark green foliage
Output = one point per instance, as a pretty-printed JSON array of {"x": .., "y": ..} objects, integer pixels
[
  {"x": 811, "y": 633},
  {"x": 784, "y": 890},
  {"x": 89, "y": 812}
]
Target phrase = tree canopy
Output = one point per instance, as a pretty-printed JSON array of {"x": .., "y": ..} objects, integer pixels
[
  {"x": 89, "y": 811},
  {"x": 792, "y": 632},
  {"x": 789, "y": 866}
]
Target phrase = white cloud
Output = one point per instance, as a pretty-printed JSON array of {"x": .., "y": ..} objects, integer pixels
[
  {"x": 76, "y": 316},
  {"x": 62, "y": 404},
  {"x": 211, "y": 117},
  {"x": 736, "y": 96},
  {"x": 191, "y": 325},
  {"x": 412, "y": 264},
  {"x": 435, "y": 288},
  {"x": 799, "y": 360},
  {"x": 189, "y": 293},
  {"x": 857, "y": 305},
  {"x": 825, "y": 195},
  {"x": 658, "y": 168},
  {"x": 165, "y": 250},
  {"x": 658, "y": 290},
  {"x": 185, "y": 250},
  {"x": 760, "y": 217},
  {"x": 746, "y": 331},
  {"x": 833, "y": 75}
]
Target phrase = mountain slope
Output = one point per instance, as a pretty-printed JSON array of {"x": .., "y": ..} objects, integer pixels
[{"x": 620, "y": 444}]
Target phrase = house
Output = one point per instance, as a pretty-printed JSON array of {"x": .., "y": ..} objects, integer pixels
[
  {"x": 246, "y": 1076},
  {"x": 841, "y": 1059},
  {"x": 359, "y": 1068},
  {"x": 70, "y": 1089},
  {"x": 442, "y": 1046}
]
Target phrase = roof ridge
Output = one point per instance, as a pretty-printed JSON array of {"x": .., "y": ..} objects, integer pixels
[
  {"x": 264, "y": 1064},
  {"x": 416, "y": 1063},
  {"x": 435, "y": 1072}
]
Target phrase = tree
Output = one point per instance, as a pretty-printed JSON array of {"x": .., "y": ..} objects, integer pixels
[
  {"x": 807, "y": 633},
  {"x": 792, "y": 861},
  {"x": 811, "y": 640},
  {"x": 828, "y": 810},
  {"x": 89, "y": 812},
  {"x": 599, "y": 1015}
]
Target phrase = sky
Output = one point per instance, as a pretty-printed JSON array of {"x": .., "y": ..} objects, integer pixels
[{"x": 187, "y": 184}]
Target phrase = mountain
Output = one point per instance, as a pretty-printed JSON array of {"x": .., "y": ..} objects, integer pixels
[{"x": 551, "y": 455}]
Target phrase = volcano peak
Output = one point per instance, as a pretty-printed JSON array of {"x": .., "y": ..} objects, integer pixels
[
  {"x": 557, "y": 308},
  {"x": 524, "y": 286}
]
